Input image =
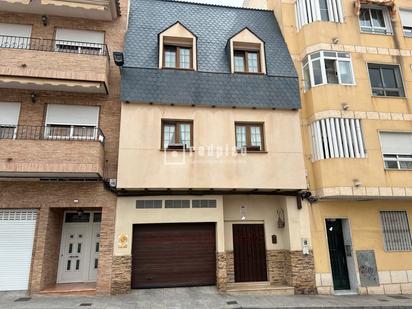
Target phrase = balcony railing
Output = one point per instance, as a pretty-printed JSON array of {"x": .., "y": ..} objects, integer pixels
[
  {"x": 53, "y": 133},
  {"x": 48, "y": 45}
]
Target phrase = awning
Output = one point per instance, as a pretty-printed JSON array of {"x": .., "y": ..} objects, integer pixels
[
  {"x": 18, "y": 1},
  {"x": 100, "y": 5},
  {"x": 52, "y": 84},
  {"x": 388, "y": 3}
]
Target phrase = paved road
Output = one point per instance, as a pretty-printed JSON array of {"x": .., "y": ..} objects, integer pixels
[{"x": 201, "y": 298}]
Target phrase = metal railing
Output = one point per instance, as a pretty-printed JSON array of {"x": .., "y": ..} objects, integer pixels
[
  {"x": 54, "y": 133},
  {"x": 48, "y": 45}
]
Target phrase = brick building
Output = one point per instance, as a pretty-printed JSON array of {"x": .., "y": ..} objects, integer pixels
[{"x": 59, "y": 133}]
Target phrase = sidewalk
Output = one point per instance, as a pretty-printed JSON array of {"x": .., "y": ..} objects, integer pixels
[{"x": 200, "y": 298}]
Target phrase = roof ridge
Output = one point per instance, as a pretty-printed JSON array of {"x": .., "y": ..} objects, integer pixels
[{"x": 218, "y": 5}]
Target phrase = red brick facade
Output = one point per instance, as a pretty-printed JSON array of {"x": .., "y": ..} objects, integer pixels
[{"x": 52, "y": 198}]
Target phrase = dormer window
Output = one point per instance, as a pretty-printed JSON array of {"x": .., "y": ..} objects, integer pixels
[
  {"x": 177, "y": 57},
  {"x": 247, "y": 61},
  {"x": 177, "y": 48},
  {"x": 247, "y": 53}
]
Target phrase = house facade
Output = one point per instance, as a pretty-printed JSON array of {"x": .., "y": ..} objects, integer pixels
[
  {"x": 354, "y": 64},
  {"x": 210, "y": 155},
  {"x": 59, "y": 133}
]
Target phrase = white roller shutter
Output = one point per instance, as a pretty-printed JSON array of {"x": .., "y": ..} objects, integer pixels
[
  {"x": 85, "y": 36},
  {"x": 17, "y": 229},
  {"x": 9, "y": 113},
  {"x": 406, "y": 17},
  {"x": 15, "y": 30},
  {"x": 396, "y": 143},
  {"x": 75, "y": 115}
]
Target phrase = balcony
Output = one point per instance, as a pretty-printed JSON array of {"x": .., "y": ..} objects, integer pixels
[
  {"x": 53, "y": 65},
  {"x": 50, "y": 153},
  {"x": 91, "y": 9}
]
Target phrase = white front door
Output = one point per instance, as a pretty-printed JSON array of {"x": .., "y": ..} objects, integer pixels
[{"x": 80, "y": 241}]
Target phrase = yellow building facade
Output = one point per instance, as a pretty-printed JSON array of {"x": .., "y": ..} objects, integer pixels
[{"x": 354, "y": 62}]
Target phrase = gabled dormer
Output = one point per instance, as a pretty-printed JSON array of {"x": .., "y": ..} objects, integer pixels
[
  {"x": 177, "y": 48},
  {"x": 247, "y": 53}
]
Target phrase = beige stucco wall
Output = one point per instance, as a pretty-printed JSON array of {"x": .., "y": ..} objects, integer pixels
[
  {"x": 127, "y": 215},
  {"x": 264, "y": 210},
  {"x": 259, "y": 210},
  {"x": 143, "y": 165}
]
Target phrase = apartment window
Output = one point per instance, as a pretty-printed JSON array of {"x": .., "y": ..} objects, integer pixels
[
  {"x": 327, "y": 67},
  {"x": 396, "y": 231},
  {"x": 79, "y": 41},
  {"x": 9, "y": 118},
  {"x": 15, "y": 35},
  {"x": 72, "y": 122},
  {"x": 406, "y": 19},
  {"x": 309, "y": 11},
  {"x": 386, "y": 80},
  {"x": 337, "y": 138},
  {"x": 247, "y": 61},
  {"x": 397, "y": 150},
  {"x": 375, "y": 20},
  {"x": 249, "y": 137},
  {"x": 177, "y": 135},
  {"x": 177, "y": 57}
]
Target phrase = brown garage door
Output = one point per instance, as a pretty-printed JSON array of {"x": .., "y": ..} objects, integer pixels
[{"x": 171, "y": 255}]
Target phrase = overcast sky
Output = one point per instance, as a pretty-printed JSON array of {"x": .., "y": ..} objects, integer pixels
[{"x": 221, "y": 2}]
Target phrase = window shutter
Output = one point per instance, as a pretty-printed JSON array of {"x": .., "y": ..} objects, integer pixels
[
  {"x": 406, "y": 18},
  {"x": 337, "y": 138},
  {"x": 15, "y": 30},
  {"x": 78, "y": 115},
  {"x": 308, "y": 11},
  {"x": 9, "y": 113},
  {"x": 84, "y": 36},
  {"x": 396, "y": 143},
  {"x": 396, "y": 231}
]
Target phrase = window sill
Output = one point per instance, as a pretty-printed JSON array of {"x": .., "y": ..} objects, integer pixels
[
  {"x": 251, "y": 151},
  {"x": 398, "y": 169},
  {"x": 177, "y": 69},
  {"x": 249, "y": 73},
  {"x": 177, "y": 150},
  {"x": 387, "y": 97},
  {"x": 323, "y": 85},
  {"x": 375, "y": 33}
]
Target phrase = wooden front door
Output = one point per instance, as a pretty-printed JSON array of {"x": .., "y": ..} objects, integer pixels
[
  {"x": 249, "y": 252},
  {"x": 173, "y": 255},
  {"x": 337, "y": 255}
]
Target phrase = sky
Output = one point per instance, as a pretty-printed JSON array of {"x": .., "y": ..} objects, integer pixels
[{"x": 220, "y": 2}]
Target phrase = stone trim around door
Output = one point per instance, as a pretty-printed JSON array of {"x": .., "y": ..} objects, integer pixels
[
  {"x": 121, "y": 274},
  {"x": 285, "y": 268}
]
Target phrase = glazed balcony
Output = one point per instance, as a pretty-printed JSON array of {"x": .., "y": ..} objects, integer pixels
[
  {"x": 51, "y": 153},
  {"x": 90, "y": 9},
  {"x": 53, "y": 65}
]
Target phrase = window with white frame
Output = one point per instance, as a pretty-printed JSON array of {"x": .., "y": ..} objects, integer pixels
[
  {"x": 396, "y": 231},
  {"x": 9, "y": 119},
  {"x": 74, "y": 122},
  {"x": 337, "y": 138},
  {"x": 406, "y": 19},
  {"x": 327, "y": 67},
  {"x": 79, "y": 41},
  {"x": 309, "y": 11},
  {"x": 397, "y": 150},
  {"x": 375, "y": 19}
]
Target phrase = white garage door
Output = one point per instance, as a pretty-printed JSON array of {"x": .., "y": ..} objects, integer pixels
[{"x": 16, "y": 245}]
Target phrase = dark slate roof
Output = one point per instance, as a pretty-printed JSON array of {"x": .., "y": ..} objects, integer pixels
[{"x": 212, "y": 83}]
